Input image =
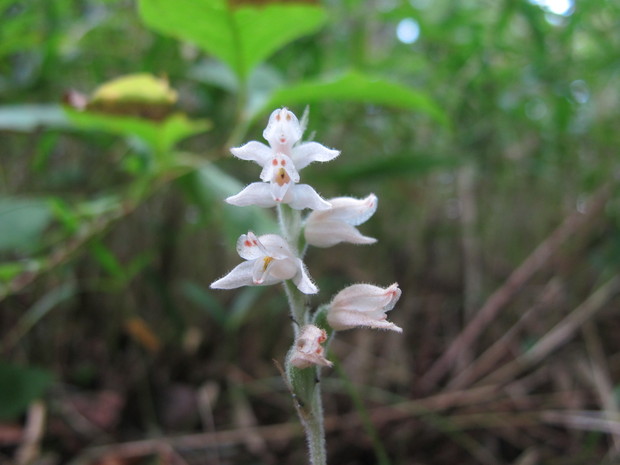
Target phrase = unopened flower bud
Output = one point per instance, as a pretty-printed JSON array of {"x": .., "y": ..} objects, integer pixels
[
  {"x": 308, "y": 350},
  {"x": 363, "y": 305}
]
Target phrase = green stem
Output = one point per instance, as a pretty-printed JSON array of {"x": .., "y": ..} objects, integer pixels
[
  {"x": 315, "y": 429},
  {"x": 290, "y": 225},
  {"x": 297, "y": 305},
  {"x": 307, "y": 389},
  {"x": 304, "y": 382}
]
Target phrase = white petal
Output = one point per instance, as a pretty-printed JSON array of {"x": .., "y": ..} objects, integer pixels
[
  {"x": 276, "y": 246},
  {"x": 277, "y": 162},
  {"x": 344, "y": 320},
  {"x": 279, "y": 190},
  {"x": 261, "y": 268},
  {"x": 330, "y": 233},
  {"x": 253, "y": 151},
  {"x": 310, "y": 339},
  {"x": 270, "y": 270},
  {"x": 283, "y": 130},
  {"x": 306, "y": 153},
  {"x": 302, "y": 196},
  {"x": 284, "y": 268},
  {"x": 303, "y": 281},
  {"x": 303, "y": 360},
  {"x": 352, "y": 211},
  {"x": 257, "y": 193},
  {"x": 249, "y": 248},
  {"x": 366, "y": 298},
  {"x": 241, "y": 275}
]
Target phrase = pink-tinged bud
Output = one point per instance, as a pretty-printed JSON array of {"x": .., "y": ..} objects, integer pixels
[
  {"x": 283, "y": 130},
  {"x": 308, "y": 350},
  {"x": 326, "y": 228},
  {"x": 363, "y": 305}
]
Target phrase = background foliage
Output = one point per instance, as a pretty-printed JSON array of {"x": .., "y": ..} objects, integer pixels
[{"x": 486, "y": 128}]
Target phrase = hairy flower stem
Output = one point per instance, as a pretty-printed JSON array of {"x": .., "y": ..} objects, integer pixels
[
  {"x": 307, "y": 390},
  {"x": 304, "y": 382},
  {"x": 289, "y": 221},
  {"x": 297, "y": 305}
]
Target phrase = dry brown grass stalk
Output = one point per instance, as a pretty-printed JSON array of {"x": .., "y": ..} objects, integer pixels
[{"x": 576, "y": 223}]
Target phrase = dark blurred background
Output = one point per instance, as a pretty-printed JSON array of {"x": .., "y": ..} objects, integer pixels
[{"x": 489, "y": 132}]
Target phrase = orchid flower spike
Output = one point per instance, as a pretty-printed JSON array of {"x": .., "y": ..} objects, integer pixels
[
  {"x": 281, "y": 162},
  {"x": 330, "y": 227},
  {"x": 307, "y": 350},
  {"x": 363, "y": 305},
  {"x": 269, "y": 260}
]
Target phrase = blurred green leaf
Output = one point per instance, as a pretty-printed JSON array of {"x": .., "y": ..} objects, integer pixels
[
  {"x": 357, "y": 87},
  {"x": 10, "y": 270},
  {"x": 203, "y": 298},
  {"x": 28, "y": 117},
  {"x": 215, "y": 73},
  {"x": 392, "y": 166},
  {"x": 19, "y": 386},
  {"x": 37, "y": 311},
  {"x": 159, "y": 136},
  {"x": 243, "y": 303},
  {"x": 241, "y": 36},
  {"x": 64, "y": 214},
  {"x": 106, "y": 259},
  {"x": 229, "y": 318},
  {"x": 18, "y": 32},
  {"x": 22, "y": 221},
  {"x": 98, "y": 206},
  {"x": 210, "y": 186}
]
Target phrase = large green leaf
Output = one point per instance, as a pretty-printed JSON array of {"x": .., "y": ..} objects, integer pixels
[
  {"x": 241, "y": 36},
  {"x": 357, "y": 87},
  {"x": 19, "y": 386}
]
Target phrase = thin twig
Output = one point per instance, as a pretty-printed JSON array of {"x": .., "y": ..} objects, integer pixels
[
  {"x": 33, "y": 434},
  {"x": 597, "y": 373},
  {"x": 558, "y": 335},
  {"x": 286, "y": 431},
  {"x": 485, "y": 362},
  {"x": 85, "y": 234},
  {"x": 575, "y": 223},
  {"x": 582, "y": 420}
]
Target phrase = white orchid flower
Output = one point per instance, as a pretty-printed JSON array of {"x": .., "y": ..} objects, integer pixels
[
  {"x": 269, "y": 260},
  {"x": 307, "y": 350},
  {"x": 281, "y": 162},
  {"x": 363, "y": 305},
  {"x": 330, "y": 227}
]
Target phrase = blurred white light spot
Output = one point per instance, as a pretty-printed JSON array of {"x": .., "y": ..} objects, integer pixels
[
  {"x": 557, "y": 7},
  {"x": 408, "y": 31}
]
